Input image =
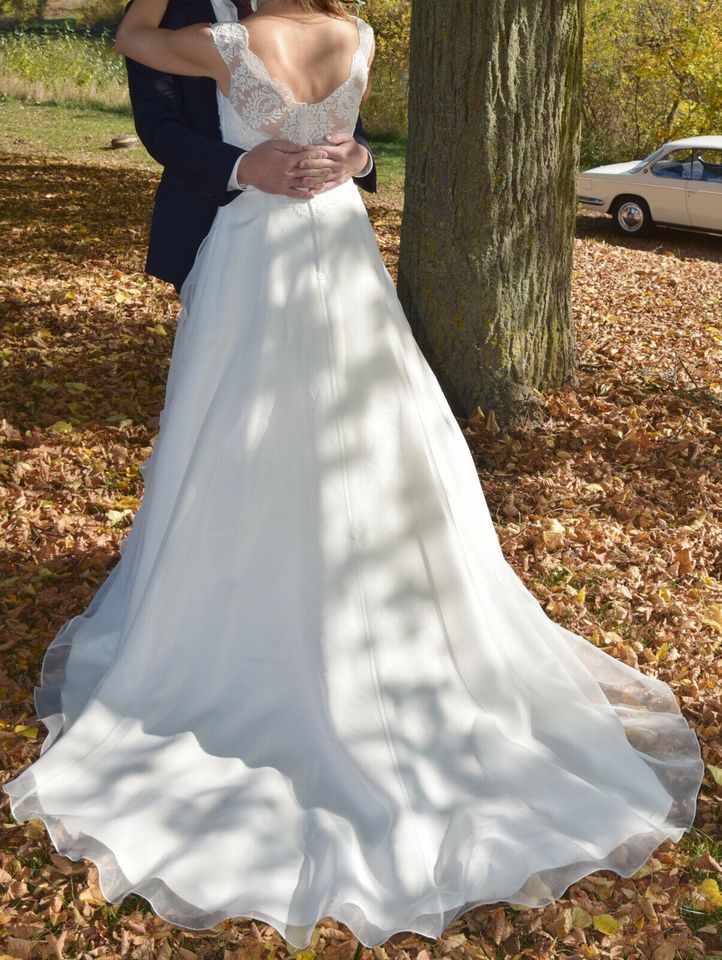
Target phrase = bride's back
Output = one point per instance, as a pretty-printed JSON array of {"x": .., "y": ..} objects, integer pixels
[
  {"x": 292, "y": 78},
  {"x": 312, "y": 55}
]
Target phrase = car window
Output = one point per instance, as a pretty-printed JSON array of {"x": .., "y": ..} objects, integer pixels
[
  {"x": 643, "y": 163},
  {"x": 707, "y": 165},
  {"x": 676, "y": 165}
]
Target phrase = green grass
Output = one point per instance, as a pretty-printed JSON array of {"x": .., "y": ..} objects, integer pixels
[
  {"x": 390, "y": 153},
  {"x": 82, "y": 132},
  {"x": 77, "y": 132}
]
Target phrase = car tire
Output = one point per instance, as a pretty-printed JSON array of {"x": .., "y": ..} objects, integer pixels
[{"x": 631, "y": 217}]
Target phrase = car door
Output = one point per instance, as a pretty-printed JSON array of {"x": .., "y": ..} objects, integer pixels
[
  {"x": 704, "y": 191},
  {"x": 664, "y": 186}
]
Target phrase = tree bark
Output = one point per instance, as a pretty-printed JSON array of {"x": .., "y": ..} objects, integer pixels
[{"x": 490, "y": 202}]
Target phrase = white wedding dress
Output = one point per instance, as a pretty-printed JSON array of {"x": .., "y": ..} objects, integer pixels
[{"x": 312, "y": 685}]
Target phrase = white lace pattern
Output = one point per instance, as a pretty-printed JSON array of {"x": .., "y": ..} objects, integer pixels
[{"x": 260, "y": 107}]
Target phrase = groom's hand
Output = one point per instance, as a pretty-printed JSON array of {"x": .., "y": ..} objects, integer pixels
[
  {"x": 346, "y": 157},
  {"x": 280, "y": 166}
]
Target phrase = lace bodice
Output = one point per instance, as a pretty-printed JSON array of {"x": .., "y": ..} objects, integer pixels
[{"x": 260, "y": 107}]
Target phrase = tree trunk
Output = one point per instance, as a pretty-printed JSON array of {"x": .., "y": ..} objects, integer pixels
[{"x": 488, "y": 229}]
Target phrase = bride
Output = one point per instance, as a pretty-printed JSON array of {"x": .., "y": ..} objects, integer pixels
[{"x": 312, "y": 685}]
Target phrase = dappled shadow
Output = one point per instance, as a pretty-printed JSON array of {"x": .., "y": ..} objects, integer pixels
[
  {"x": 266, "y": 657},
  {"x": 74, "y": 212},
  {"x": 312, "y": 642},
  {"x": 685, "y": 244}
]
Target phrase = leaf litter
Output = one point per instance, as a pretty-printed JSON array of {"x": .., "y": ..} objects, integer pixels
[{"x": 610, "y": 511}]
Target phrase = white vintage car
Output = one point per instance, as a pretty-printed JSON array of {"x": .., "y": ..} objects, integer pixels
[{"x": 679, "y": 185}]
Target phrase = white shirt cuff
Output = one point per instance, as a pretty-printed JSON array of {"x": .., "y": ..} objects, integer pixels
[
  {"x": 368, "y": 168},
  {"x": 233, "y": 183}
]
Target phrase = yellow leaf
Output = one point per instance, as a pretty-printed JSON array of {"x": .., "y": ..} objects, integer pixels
[
  {"x": 716, "y": 773},
  {"x": 663, "y": 651},
  {"x": 157, "y": 328},
  {"x": 26, "y": 731},
  {"x": 34, "y": 830},
  {"x": 605, "y": 923},
  {"x": 582, "y": 595},
  {"x": 61, "y": 426},
  {"x": 710, "y": 891}
]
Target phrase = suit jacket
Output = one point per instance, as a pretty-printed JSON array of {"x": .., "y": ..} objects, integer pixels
[{"x": 177, "y": 121}]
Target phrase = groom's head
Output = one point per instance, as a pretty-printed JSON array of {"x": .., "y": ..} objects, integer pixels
[{"x": 244, "y": 7}]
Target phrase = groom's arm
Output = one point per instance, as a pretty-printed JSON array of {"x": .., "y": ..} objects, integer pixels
[
  {"x": 209, "y": 166},
  {"x": 204, "y": 164},
  {"x": 366, "y": 180}
]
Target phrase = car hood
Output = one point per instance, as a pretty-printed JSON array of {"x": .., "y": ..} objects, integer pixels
[{"x": 612, "y": 168}]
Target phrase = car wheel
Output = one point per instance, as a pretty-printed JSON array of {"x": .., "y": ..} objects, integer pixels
[{"x": 631, "y": 217}]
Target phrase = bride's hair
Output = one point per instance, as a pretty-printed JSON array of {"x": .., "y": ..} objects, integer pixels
[{"x": 337, "y": 8}]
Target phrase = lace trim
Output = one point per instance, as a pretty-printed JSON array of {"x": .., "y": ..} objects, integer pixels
[
  {"x": 232, "y": 44},
  {"x": 259, "y": 107}
]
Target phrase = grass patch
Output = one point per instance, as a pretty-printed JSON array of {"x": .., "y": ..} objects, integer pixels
[
  {"x": 77, "y": 132},
  {"x": 81, "y": 132},
  {"x": 391, "y": 152}
]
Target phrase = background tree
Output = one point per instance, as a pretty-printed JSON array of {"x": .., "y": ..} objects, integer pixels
[
  {"x": 652, "y": 72},
  {"x": 487, "y": 235},
  {"x": 386, "y": 111}
]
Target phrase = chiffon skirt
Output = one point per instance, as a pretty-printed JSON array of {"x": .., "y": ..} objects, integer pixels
[{"x": 312, "y": 685}]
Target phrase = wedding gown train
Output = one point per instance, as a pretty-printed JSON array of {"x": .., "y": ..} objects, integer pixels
[{"x": 312, "y": 685}]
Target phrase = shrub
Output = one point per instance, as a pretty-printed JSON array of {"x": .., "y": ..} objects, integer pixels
[
  {"x": 22, "y": 11},
  {"x": 387, "y": 109},
  {"x": 61, "y": 66},
  {"x": 101, "y": 14}
]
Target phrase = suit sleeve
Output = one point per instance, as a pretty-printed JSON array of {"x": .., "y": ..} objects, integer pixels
[
  {"x": 190, "y": 156},
  {"x": 369, "y": 181}
]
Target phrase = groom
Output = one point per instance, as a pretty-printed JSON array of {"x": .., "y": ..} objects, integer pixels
[{"x": 177, "y": 121}]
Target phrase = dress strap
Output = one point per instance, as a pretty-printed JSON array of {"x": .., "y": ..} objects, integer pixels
[
  {"x": 366, "y": 34},
  {"x": 230, "y": 41},
  {"x": 232, "y": 45}
]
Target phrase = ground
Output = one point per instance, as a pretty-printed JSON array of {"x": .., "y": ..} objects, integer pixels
[{"x": 611, "y": 512}]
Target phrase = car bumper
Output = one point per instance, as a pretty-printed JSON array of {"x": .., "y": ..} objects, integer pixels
[{"x": 591, "y": 201}]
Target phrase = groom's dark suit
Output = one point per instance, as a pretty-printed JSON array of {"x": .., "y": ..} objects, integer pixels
[{"x": 177, "y": 121}]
